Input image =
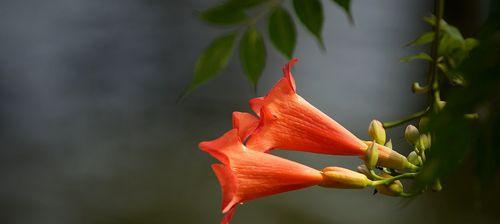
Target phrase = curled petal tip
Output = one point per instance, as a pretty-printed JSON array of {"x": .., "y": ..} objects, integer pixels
[{"x": 287, "y": 72}]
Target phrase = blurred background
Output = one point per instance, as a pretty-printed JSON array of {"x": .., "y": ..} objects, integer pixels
[{"x": 90, "y": 131}]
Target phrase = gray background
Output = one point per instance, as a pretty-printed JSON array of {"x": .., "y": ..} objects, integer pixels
[{"x": 90, "y": 131}]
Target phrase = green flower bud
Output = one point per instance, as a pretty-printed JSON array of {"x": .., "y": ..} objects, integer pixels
[
  {"x": 371, "y": 156},
  {"x": 436, "y": 186},
  {"x": 411, "y": 134},
  {"x": 377, "y": 132},
  {"x": 416, "y": 88},
  {"x": 362, "y": 169},
  {"x": 414, "y": 159},
  {"x": 338, "y": 177},
  {"x": 424, "y": 142},
  {"x": 439, "y": 105},
  {"x": 393, "y": 189},
  {"x": 423, "y": 123}
]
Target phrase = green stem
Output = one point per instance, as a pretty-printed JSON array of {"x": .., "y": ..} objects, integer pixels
[
  {"x": 392, "y": 179},
  {"x": 253, "y": 20},
  {"x": 406, "y": 119},
  {"x": 438, "y": 10},
  {"x": 409, "y": 195},
  {"x": 375, "y": 176}
]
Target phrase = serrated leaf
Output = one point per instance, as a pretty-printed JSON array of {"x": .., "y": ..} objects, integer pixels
[
  {"x": 346, "y": 6},
  {"x": 310, "y": 13},
  {"x": 223, "y": 14},
  {"x": 252, "y": 54},
  {"x": 212, "y": 60},
  {"x": 422, "y": 39},
  {"x": 282, "y": 31},
  {"x": 422, "y": 56}
]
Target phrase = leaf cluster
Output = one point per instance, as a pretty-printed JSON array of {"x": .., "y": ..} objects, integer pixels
[
  {"x": 453, "y": 49},
  {"x": 240, "y": 18}
]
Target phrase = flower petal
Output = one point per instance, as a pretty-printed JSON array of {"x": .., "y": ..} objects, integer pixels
[
  {"x": 228, "y": 186},
  {"x": 245, "y": 123},
  {"x": 256, "y": 104},
  {"x": 228, "y": 216}
]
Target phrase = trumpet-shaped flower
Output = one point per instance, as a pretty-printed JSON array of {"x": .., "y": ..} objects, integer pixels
[
  {"x": 287, "y": 121},
  {"x": 248, "y": 174}
]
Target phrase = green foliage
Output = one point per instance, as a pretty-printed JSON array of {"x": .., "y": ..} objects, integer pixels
[
  {"x": 421, "y": 55},
  {"x": 452, "y": 50},
  {"x": 212, "y": 60},
  {"x": 224, "y": 14},
  {"x": 252, "y": 54},
  {"x": 346, "y": 6},
  {"x": 245, "y": 3},
  {"x": 243, "y": 14},
  {"x": 456, "y": 135},
  {"x": 422, "y": 39},
  {"x": 282, "y": 31},
  {"x": 310, "y": 13}
]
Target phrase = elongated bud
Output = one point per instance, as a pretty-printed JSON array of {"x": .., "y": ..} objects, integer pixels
[
  {"x": 411, "y": 134},
  {"x": 414, "y": 159},
  {"x": 439, "y": 105},
  {"x": 389, "y": 158},
  {"x": 416, "y": 88},
  {"x": 362, "y": 169},
  {"x": 424, "y": 142},
  {"x": 423, "y": 123},
  {"x": 388, "y": 144},
  {"x": 371, "y": 156},
  {"x": 393, "y": 189},
  {"x": 338, "y": 177},
  {"x": 377, "y": 132},
  {"x": 436, "y": 186}
]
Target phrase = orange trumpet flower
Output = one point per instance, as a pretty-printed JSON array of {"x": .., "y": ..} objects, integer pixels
[
  {"x": 248, "y": 174},
  {"x": 288, "y": 121}
]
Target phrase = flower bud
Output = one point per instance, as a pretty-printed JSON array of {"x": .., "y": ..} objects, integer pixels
[
  {"x": 338, "y": 177},
  {"x": 424, "y": 142},
  {"x": 439, "y": 105},
  {"x": 393, "y": 189},
  {"x": 436, "y": 186},
  {"x": 414, "y": 159},
  {"x": 389, "y": 144},
  {"x": 411, "y": 134},
  {"x": 423, "y": 123},
  {"x": 377, "y": 132},
  {"x": 371, "y": 156},
  {"x": 362, "y": 169},
  {"x": 416, "y": 88}
]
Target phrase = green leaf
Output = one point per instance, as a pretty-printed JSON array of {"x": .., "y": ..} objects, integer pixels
[
  {"x": 245, "y": 3},
  {"x": 421, "y": 55},
  {"x": 224, "y": 14},
  {"x": 310, "y": 13},
  {"x": 212, "y": 60},
  {"x": 346, "y": 6},
  {"x": 422, "y": 39},
  {"x": 282, "y": 31},
  {"x": 470, "y": 43},
  {"x": 252, "y": 54},
  {"x": 455, "y": 77}
]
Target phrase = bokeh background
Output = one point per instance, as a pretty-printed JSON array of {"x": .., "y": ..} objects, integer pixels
[{"x": 90, "y": 131}]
